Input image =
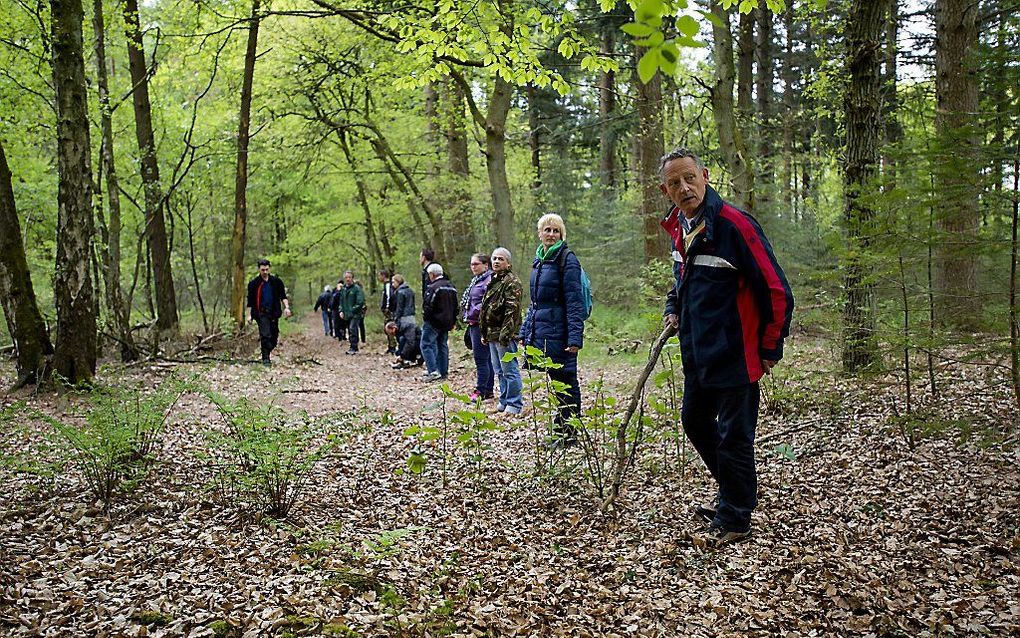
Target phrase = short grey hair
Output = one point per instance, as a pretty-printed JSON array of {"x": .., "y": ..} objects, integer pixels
[
  {"x": 327, "y": 289},
  {"x": 679, "y": 152},
  {"x": 434, "y": 269},
  {"x": 506, "y": 254}
]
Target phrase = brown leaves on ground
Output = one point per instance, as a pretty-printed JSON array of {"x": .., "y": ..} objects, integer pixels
[{"x": 855, "y": 533}]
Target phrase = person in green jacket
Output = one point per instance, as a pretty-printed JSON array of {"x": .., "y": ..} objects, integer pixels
[
  {"x": 499, "y": 322},
  {"x": 352, "y": 309}
]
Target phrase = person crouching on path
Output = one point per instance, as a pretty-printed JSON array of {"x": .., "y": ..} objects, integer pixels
[
  {"x": 267, "y": 300},
  {"x": 732, "y": 306},
  {"x": 498, "y": 321},
  {"x": 555, "y": 320},
  {"x": 324, "y": 303},
  {"x": 410, "y": 352},
  {"x": 403, "y": 316},
  {"x": 352, "y": 310},
  {"x": 471, "y": 306},
  {"x": 439, "y": 315}
]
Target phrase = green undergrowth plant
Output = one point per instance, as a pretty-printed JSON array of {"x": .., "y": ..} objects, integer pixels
[
  {"x": 470, "y": 428},
  {"x": 543, "y": 393},
  {"x": 264, "y": 458},
  {"x": 597, "y": 428},
  {"x": 113, "y": 441},
  {"x": 665, "y": 429}
]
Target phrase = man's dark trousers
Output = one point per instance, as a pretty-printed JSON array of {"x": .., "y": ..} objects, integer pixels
[
  {"x": 269, "y": 333},
  {"x": 356, "y": 328},
  {"x": 720, "y": 423}
]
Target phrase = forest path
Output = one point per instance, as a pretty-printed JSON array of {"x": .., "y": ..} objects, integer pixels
[{"x": 855, "y": 533}]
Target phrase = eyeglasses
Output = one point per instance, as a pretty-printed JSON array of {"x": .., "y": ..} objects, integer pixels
[{"x": 477, "y": 263}]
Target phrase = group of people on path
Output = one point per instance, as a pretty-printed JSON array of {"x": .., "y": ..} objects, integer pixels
[
  {"x": 343, "y": 311},
  {"x": 730, "y": 303}
]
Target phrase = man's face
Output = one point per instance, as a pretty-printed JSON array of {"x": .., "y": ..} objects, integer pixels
[
  {"x": 264, "y": 271},
  {"x": 684, "y": 184},
  {"x": 348, "y": 278},
  {"x": 499, "y": 263},
  {"x": 421, "y": 259}
]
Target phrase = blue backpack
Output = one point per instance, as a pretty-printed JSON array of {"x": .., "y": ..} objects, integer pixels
[{"x": 586, "y": 292}]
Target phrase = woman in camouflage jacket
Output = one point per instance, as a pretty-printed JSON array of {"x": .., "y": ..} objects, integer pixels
[{"x": 499, "y": 321}]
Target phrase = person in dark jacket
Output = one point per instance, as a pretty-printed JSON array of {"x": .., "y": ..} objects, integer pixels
[
  {"x": 555, "y": 320},
  {"x": 339, "y": 324},
  {"x": 499, "y": 321},
  {"x": 439, "y": 314},
  {"x": 410, "y": 353},
  {"x": 403, "y": 314},
  {"x": 387, "y": 302},
  {"x": 425, "y": 258},
  {"x": 324, "y": 303},
  {"x": 352, "y": 310},
  {"x": 732, "y": 306},
  {"x": 267, "y": 302},
  {"x": 471, "y": 307}
]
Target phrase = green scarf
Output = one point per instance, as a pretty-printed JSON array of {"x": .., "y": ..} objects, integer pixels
[{"x": 542, "y": 252}]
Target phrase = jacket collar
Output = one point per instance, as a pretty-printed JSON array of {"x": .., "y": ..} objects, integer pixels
[{"x": 710, "y": 208}]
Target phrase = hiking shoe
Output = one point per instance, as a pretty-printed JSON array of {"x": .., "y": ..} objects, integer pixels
[
  {"x": 559, "y": 443},
  {"x": 433, "y": 376},
  {"x": 267, "y": 363},
  {"x": 717, "y": 536},
  {"x": 352, "y": 352},
  {"x": 706, "y": 511}
]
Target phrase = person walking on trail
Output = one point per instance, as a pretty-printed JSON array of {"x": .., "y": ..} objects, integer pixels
[
  {"x": 732, "y": 305},
  {"x": 498, "y": 322},
  {"x": 387, "y": 303},
  {"x": 339, "y": 323},
  {"x": 439, "y": 314},
  {"x": 403, "y": 316},
  {"x": 267, "y": 301},
  {"x": 324, "y": 303},
  {"x": 471, "y": 306},
  {"x": 555, "y": 320},
  {"x": 352, "y": 310}
]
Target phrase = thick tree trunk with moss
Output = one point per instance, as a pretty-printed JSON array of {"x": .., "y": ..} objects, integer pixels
[
  {"x": 26, "y": 324},
  {"x": 74, "y": 357},
  {"x": 607, "y": 112},
  {"x": 119, "y": 319},
  {"x": 238, "y": 240},
  {"x": 731, "y": 141},
  {"x": 159, "y": 248},
  {"x": 863, "y": 107},
  {"x": 745, "y": 65},
  {"x": 456, "y": 200},
  {"x": 957, "y": 167}
]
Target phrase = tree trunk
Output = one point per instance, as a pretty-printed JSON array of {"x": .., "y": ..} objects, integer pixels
[
  {"x": 373, "y": 246},
  {"x": 891, "y": 103},
  {"x": 458, "y": 229},
  {"x": 534, "y": 139},
  {"x": 26, "y": 324},
  {"x": 74, "y": 358},
  {"x": 495, "y": 162},
  {"x": 787, "y": 176},
  {"x": 863, "y": 116},
  {"x": 745, "y": 65},
  {"x": 764, "y": 82},
  {"x": 649, "y": 150},
  {"x": 120, "y": 314},
  {"x": 607, "y": 113},
  {"x": 731, "y": 141},
  {"x": 166, "y": 300},
  {"x": 957, "y": 169},
  {"x": 237, "y": 297}
]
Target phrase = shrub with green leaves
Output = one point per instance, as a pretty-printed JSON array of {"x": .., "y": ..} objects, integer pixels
[
  {"x": 113, "y": 443},
  {"x": 266, "y": 455}
]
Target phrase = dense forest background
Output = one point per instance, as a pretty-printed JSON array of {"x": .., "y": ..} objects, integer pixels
[{"x": 154, "y": 152}]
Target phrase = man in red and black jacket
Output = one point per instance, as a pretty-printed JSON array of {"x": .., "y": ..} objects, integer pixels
[
  {"x": 267, "y": 301},
  {"x": 732, "y": 306}
]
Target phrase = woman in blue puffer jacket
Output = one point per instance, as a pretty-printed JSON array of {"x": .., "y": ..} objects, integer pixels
[{"x": 555, "y": 320}]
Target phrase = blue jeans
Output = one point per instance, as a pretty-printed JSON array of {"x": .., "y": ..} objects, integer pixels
[
  {"x": 435, "y": 349},
  {"x": 356, "y": 329},
  {"x": 327, "y": 323},
  {"x": 510, "y": 385},
  {"x": 721, "y": 423},
  {"x": 483, "y": 365}
]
